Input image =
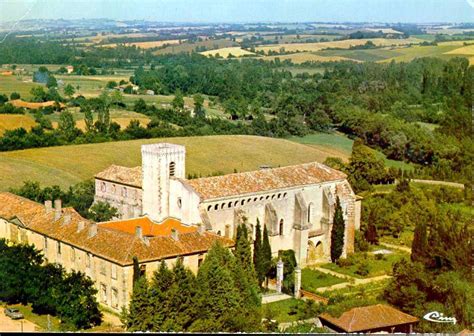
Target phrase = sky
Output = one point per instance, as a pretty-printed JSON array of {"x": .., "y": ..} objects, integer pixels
[{"x": 243, "y": 10}]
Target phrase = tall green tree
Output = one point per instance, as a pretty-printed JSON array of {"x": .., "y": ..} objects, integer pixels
[
  {"x": 419, "y": 244},
  {"x": 178, "y": 101},
  {"x": 140, "y": 315},
  {"x": 337, "y": 232},
  {"x": 266, "y": 253},
  {"x": 257, "y": 254}
]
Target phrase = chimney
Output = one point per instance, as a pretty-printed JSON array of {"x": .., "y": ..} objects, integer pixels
[
  {"x": 57, "y": 209},
  {"x": 201, "y": 229},
  {"x": 174, "y": 234},
  {"x": 139, "y": 232},
  {"x": 67, "y": 219},
  {"x": 80, "y": 226},
  {"x": 92, "y": 230},
  {"x": 48, "y": 205}
]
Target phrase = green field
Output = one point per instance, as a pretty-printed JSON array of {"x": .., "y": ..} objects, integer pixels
[
  {"x": 282, "y": 311},
  {"x": 369, "y": 55},
  {"x": 67, "y": 165},
  {"x": 311, "y": 280},
  {"x": 338, "y": 145},
  {"x": 9, "y": 84}
]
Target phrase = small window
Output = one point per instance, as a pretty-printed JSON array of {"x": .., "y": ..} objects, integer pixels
[
  {"x": 114, "y": 298},
  {"x": 255, "y": 199},
  {"x": 124, "y": 192},
  {"x": 284, "y": 195},
  {"x": 73, "y": 254},
  {"x": 209, "y": 208},
  {"x": 219, "y": 233},
  {"x": 216, "y": 207},
  {"x": 103, "y": 187},
  {"x": 103, "y": 292},
  {"x": 102, "y": 267},
  {"x": 113, "y": 272},
  {"x": 114, "y": 188},
  {"x": 236, "y": 203},
  {"x": 59, "y": 249},
  {"x": 222, "y": 205},
  {"x": 249, "y": 200},
  {"x": 279, "y": 196},
  {"x": 229, "y": 205},
  {"x": 268, "y": 197},
  {"x": 261, "y": 198},
  {"x": 172, "y": 168},
  {"x": 281, "y": 227},
  {"x": 242, "y": 202},
  {"x": 45, "y": 244},
  {"x": 180, "y": 202},
  {"x": 142, "y": 270},
  {"x": 200, "y": 259},
  {"x": 88, "y": 260}
]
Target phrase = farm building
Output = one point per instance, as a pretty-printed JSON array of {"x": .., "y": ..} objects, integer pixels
[{"x": 295, "y": 203}]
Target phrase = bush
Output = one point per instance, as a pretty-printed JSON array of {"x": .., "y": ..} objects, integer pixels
[
  {"x": 361, "y": 244},
  {"x": 380, "y": 256},
  {"x": 362, "y": 269}
]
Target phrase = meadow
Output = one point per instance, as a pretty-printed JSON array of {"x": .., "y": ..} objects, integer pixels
[
  {"x": 205, "y": 155},
  {"x": 188, "y": 47},
  {"x": 12, "y": 121}
]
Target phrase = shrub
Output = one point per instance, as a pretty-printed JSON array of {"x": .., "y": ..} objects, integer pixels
[{"x": 362, "y": 269}]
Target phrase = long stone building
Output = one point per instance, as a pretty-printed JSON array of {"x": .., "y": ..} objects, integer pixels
[
  {"x": 164, "y": 216},
  {"x": 295, "y": 203}
]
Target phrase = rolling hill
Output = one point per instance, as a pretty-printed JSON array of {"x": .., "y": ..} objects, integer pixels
[{"x": 68, "y": 165}]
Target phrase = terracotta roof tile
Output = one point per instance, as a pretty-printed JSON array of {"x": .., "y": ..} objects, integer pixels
[
  {"x": 124, "y": 175},
  {"x": 369, "y": 318},
  {"x": 116, "y": 245},
  {"x": 264, "y": 180},
  {"x": 149, "y": 228}
]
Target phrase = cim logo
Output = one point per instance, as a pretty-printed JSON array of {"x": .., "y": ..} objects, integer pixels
[{"x": 439, "y": 318}]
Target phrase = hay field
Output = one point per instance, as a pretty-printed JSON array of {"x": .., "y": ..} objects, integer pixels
[
  {"x": 466, "y": 50},
  {"x": 225, "y": 52},
  {"x": 442, "y": 50},
  {"x": 12, "y": 121},
  {"x": 67, "y": 165},
  {"x": 344, "y": 44},
  {"x": 123, "y": 122},
  {"x": 144, "y": 45},
  {"x": 302, "y": 57}
]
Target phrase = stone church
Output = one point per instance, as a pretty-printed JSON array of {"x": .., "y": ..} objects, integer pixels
[{"x": 295, "y": 203}]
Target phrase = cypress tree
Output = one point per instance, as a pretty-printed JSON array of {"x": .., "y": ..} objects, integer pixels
[
  {"x": 371, "y": 233},
  {"x": 162, "y": 281},
  {"x": 136, "y": 270},
  {"x": 140, "y": 315},
  {"x": 243, "y": 252},
  {"x": 337, "y": 232},
  {"x": 266, "y": 253},
  {"x": 420, "y": 242},
  {"x": 257, "y": 254}
]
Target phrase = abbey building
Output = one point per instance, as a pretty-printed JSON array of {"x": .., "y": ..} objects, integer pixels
[{"x": 295, "y": 203}]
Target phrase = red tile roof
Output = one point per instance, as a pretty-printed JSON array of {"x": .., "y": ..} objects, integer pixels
[
  {"x": 123, "y": 175},
  {"x": 111, "y": 244},
  {"x": 149, "y": 228},
  {"x": 369, "y": 318},
  {"x": 264, "y": 180}
]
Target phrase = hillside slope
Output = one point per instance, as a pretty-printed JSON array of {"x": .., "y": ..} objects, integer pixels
[{"x": 67, "y": 165}]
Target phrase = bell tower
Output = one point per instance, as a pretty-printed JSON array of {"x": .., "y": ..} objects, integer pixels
[{"x": 160, "y": 163}]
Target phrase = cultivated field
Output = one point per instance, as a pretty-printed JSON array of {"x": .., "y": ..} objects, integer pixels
[
  {"x": 145, "y": 45},
  {"x": 344, "y": 44},
  {"x": 12, "y": 121},
  {"x": 225, "y": 52},
  {"x": 67, "y": 165},
  {"x": 9, "y": 84},
  {"x": 188, "y": 47}
]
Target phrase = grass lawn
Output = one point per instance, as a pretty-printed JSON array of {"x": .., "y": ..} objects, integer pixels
[
  {"x": 205, "y": 155},
  {"x": 376, "y": 267},
  {"x": 40, "y": 320},
  {"x": 282, "y": 311},
  {"x": 311, "y": 279},
  {"x": 372, "y": 290}
]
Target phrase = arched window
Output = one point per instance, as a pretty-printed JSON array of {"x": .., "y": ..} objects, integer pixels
[
  {"x": 172, "y": 168},
  {"x": 242, "y": 202},
  {"x": 209, "y": 208},
  {"x": 229, "y": 205},
  {"x": 102, "y": 186},
  {"x": 281, "y": 227},
  {"x": 310, "y": 212},
  {"x": 216, "y": 207},
  {"x": 222, "y": 205},
  {"x": 236, "y": 203}
]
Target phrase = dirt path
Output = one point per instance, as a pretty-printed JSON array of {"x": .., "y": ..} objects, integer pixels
[
  {"x": 397, "y": 247},
  {"x": 448, "y": 184}
]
